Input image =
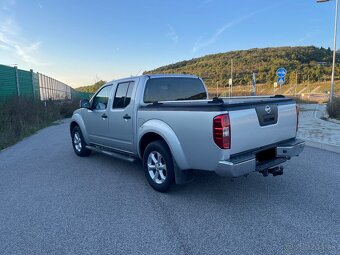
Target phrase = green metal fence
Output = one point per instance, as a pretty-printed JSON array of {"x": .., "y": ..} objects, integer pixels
[
  {"x": 16, "y": 82},
  {"x": 8, "y": 82}
]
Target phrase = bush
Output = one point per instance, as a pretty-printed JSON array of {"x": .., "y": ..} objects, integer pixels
[
  {"x": 334, "y": 109},
  {"x": 67, "y": 108},
  {"x": 301, "y": 100},
  {"x": 21, "y": 117}
]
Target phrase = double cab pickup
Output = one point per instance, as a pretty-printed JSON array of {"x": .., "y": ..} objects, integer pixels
[{"x": 169, "y": 122}]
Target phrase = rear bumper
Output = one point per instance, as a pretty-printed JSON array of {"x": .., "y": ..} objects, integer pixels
[
  {"x": 290, "y": 149},
  {"x": 245, "y": 163}
]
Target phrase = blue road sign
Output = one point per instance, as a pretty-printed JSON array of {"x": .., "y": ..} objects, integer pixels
[
  {"x": 281, "y": 80},
  {"x": 281, "y": 72}
]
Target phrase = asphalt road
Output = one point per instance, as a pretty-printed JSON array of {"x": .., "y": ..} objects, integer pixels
[{"x": 53, "y": 202}]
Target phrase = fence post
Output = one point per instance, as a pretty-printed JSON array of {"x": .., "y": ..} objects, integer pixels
[
  {"x": 17, "y": 80},
  {"x": 40, "y": 89},
  {"x": 32, "y": 80}
]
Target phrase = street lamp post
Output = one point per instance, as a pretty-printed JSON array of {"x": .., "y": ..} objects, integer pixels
[{"x": 334, "y": 51}]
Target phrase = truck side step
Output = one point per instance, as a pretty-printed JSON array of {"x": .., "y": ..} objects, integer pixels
[{"x": 111, "y": 153}]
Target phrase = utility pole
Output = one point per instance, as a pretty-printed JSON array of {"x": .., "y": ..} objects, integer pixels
[
  {"x": 308, "y": 89},
  {"x": 217, "y": 89},
  {"x": 231, "y": 77},
  {"x": 253, "y": 85},
  {"x": 334, "y": 50},
  {"x": 296, "y": 83}
]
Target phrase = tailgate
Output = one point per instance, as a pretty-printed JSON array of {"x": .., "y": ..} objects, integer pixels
[{"x": 261, "y": 125}]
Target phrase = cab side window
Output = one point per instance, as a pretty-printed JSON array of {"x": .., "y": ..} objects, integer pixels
[
  {"x": 102, "y": 98},
  {"x": 123, "y": 95}
]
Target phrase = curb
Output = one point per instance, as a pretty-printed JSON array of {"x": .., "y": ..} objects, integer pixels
[
  {"x": 321, "y": 115},
  {"x": 327, "y": 118},
  {"x": 323, "y": 146}
]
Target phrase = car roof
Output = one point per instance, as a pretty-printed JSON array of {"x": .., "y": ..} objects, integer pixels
[{"x": 150, "y": 76}]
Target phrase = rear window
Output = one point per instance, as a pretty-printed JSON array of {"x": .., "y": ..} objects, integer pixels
[
  {"x": 123, "y": 95},
  {"x": 173, "y": 89}
]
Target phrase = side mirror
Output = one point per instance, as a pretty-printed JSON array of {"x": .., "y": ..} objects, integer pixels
[{"x": 85, "y": 103}]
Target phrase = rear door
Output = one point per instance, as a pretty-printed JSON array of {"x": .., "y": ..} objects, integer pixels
[{"x": 121, "y": 119}]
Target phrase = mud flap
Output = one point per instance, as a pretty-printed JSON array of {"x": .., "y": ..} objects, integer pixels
[{"x": 182, "y": 176}]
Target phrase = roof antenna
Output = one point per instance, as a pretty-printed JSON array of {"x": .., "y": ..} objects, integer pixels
[{"x": 139, "y": 72}]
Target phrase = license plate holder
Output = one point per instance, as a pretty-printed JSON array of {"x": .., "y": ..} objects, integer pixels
[{"x": 265, "y": 155}]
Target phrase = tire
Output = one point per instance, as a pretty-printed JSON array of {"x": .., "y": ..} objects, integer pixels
[
  {"x": 158, "y": 166},
  {"x": 78, "y": 143}
]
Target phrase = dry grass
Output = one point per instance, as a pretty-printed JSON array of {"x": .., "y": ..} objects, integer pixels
[{"x": 21, "y": 117}]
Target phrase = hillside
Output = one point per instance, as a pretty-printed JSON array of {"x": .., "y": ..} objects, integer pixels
[
  {"x": 310, "y": 63},
  {"x": 91, "y": 88}
]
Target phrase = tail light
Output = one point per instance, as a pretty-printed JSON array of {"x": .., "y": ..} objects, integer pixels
[
  {"x": 221, "y": 130},
  {"x": 297, "y": 116}
]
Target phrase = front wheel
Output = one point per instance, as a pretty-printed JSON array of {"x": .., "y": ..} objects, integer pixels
[
  {"x": 78, "y": 143},
  {"x": 158, "y": 166}
]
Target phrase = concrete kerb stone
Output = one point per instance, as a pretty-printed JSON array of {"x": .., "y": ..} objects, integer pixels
[
  {"x": 321, "y": 114},
  {"x": 323, "y": 146}
]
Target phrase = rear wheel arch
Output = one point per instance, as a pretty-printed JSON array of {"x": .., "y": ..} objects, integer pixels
[
  {"x": 162, "y": 131},
  {"x": 149, "y": 138}
]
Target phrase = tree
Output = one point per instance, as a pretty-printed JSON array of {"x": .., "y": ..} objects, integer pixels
[
  {"x": 310, "y": 60},
  {"x": 92, "y": 88}
]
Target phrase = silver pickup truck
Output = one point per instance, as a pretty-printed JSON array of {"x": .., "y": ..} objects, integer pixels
[{"x": 169, "y": 123}]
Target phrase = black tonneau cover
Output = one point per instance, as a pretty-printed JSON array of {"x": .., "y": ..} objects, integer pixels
[{"x": 218, "y": 104}]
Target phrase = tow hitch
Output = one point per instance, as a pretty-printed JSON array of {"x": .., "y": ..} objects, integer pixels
[{"x": 278, "y": 170}]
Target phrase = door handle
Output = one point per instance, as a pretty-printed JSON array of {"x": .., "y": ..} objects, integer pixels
[
  {"x": 126, "y": 117},
  {"x": 104, "y": 116}
]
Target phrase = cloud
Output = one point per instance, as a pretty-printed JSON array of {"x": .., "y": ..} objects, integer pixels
[
  {"x": 204, "y": 3},
  {"x": 26, "y": 53},
  {"x": 6, "y": 5},
  {"x": 4, "y": 47},
  {"x": 301, "y": 39},
  {"x": 306, "y": 37},
  {"x": 199, "y": 44},
  {"x": 10, "y": 40},
  {"x": 8, "y": 26},
  {"x": 172, "y": 35}
]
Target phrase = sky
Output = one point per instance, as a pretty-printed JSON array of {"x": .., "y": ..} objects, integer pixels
[{"x": 82, "y": 41}]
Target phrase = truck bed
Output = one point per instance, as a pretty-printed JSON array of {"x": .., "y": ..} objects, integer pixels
[{"x": 251, "y": 126}]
